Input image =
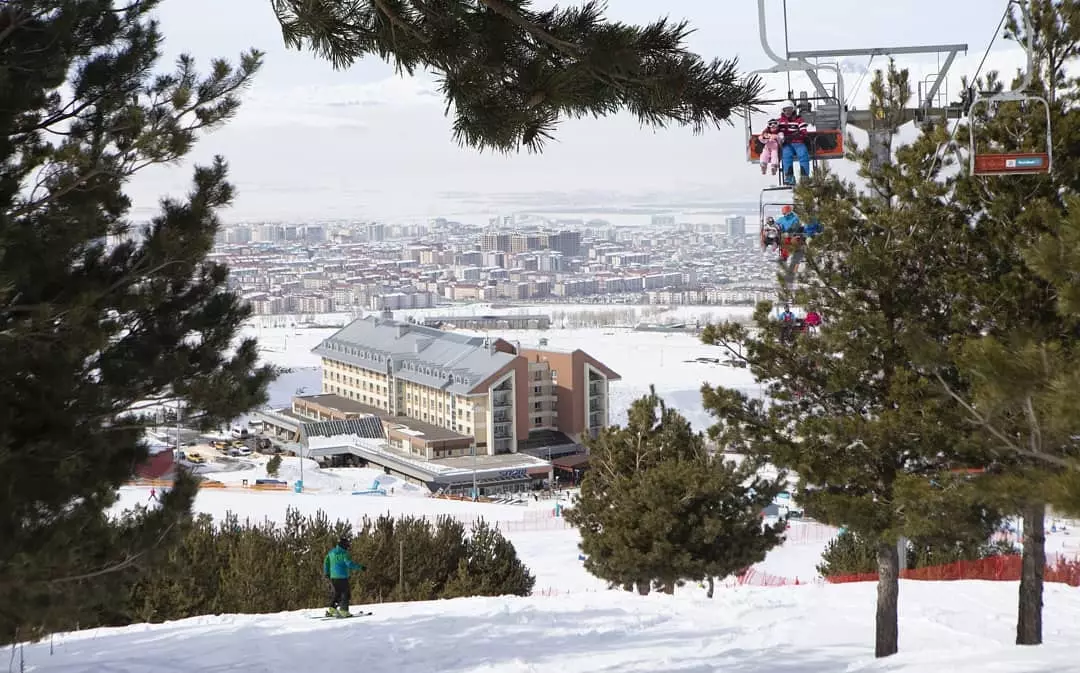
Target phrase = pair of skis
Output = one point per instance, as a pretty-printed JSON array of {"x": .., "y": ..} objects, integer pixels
[{"x": 351, "y": 615}]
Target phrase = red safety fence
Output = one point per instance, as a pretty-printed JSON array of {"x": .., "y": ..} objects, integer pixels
[
  {"x": 752, "y": 577},
  {"x": 995, "y": 568},
  {"x": 809, "y": 532}
]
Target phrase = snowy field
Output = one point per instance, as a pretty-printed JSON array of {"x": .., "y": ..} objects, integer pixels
[
  {"x": 641, "y": 358},
  {"x": 803, "y": 630},
  {"x": 572, "y": 623},
  {"x": 642, "y": 313}
]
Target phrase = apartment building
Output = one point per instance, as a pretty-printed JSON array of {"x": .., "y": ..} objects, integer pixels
[{"x": 462, "y": 390}]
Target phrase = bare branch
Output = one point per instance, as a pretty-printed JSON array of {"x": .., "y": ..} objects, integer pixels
[{"x": 1007, "y": 443}]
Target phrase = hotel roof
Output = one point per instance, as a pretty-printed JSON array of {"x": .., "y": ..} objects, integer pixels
[{"x": 450, "y": 361}]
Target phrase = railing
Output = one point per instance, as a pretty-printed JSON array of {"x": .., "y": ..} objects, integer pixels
[{"x": 209, "y": 483}]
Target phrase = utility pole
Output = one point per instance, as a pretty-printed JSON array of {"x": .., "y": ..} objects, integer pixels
[
  {"x": 300, "y": 449},
  {"x": 401, "y": 571},
  {"x": 475, "y": 490},
  {"x": 177, "y": 430}
]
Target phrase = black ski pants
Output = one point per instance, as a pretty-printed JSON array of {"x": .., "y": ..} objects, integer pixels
[{"x": 339, "y": 593}]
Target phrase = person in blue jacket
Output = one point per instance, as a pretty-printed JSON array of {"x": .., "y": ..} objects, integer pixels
[
  {"x": 336, "y": 566},
  {"x": 789, "y": 221},
  {"x": 812, "y": 228}
]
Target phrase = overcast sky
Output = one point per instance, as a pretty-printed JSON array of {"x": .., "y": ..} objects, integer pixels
[{"x": 310, "y": 142}]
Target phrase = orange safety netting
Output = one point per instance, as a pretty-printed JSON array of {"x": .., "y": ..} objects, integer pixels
[{"x": 994, "y": 568}]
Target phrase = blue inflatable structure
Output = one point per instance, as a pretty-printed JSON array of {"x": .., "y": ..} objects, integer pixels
[{"x": 374, "y": 490}]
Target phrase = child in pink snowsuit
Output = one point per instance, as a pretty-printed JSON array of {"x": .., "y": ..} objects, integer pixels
[{"x": 771, "y": 138}]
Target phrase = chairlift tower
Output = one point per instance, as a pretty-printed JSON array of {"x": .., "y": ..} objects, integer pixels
[{"x": 829, "y": 110}]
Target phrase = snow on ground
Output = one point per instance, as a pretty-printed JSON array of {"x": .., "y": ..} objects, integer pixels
[
  {"x": 574, "y": 624},
  {"x": 315, "y": 477},
  {"x": 641, "y": 358},
  {"x": 642, "y": 313},
  {"x": 962, "y": 627}
]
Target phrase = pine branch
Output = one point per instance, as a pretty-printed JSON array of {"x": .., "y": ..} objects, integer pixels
[
  {"x": 513, "y": 73},
  {"x": 1007, "y": 443}
]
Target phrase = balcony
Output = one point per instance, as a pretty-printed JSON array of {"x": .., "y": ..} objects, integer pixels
[
  {"x": 596, "y": 388},
  {"x": 595, "y": 406},
  {"x": 502, "y": 400},
  {"x": 503, "y": 445},
  {"x": 501, "y": 417},
  {"x": 501, "y": 434}
]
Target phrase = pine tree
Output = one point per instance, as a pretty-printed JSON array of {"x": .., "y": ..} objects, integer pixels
[
  {"x": 867, "y": 432},
  {"x": 656, "y": 508},
  {"x": 92, "y": 335},
  {"x": 512, "y": 71},
  {"x": 273, "y": 465},
  {"x": 1019, "y": 287}
]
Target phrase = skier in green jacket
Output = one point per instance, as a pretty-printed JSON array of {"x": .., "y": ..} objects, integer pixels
[{"x": 336, "y": 567}]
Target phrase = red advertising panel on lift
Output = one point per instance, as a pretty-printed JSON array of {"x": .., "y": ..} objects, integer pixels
[{"x": 1012, "y": 164}]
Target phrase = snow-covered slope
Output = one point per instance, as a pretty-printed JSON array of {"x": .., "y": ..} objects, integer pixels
[{"x": 960, "y": 627}]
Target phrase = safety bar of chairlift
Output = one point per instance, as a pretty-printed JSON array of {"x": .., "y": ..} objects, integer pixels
[
  {"x": 797, "y": 66},
  {"x": 1006, "y": 96},
  {"x": 1016, "y": 95}
]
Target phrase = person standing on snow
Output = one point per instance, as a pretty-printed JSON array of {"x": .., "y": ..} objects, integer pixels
[{"x": 336, "y": 566}]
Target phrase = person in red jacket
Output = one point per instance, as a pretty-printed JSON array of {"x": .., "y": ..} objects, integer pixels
[{"x": 795, "y": 130}]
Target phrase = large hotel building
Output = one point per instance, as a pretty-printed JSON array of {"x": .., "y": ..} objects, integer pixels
[{"x": 441, "y": 393}]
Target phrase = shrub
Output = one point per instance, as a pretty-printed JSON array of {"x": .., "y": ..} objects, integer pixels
[
  {"x": 850, "y": 554},
  {"x": 238, "y": 566}
]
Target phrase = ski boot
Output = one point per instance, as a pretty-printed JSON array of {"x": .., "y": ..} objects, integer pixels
[
  {"x": 342, "y": 613},
  {"x": 331, "y": 612}
]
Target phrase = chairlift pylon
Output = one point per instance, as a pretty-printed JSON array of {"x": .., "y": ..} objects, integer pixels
[{"x": 1012, "y": 163}]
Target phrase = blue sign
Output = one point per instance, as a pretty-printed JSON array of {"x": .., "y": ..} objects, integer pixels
[
  {"x": 1024, "y": 162},
  {"x": 514, "y": 474}
]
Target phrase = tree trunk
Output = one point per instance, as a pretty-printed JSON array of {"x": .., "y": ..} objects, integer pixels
[
  {"x": 669, "y": 587},
  {"x": 1029, "y": 613},
  {"x": 711, "y": 587},
  {"x": 644, "y": 587},
  {"x": 886, "y": 625}
]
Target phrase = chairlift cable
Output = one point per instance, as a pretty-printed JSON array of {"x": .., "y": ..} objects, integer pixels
[
  {"x": 858, "y": 84},
  {"x": 982, "y": 62},
  {"x": 787, "y": 48}
]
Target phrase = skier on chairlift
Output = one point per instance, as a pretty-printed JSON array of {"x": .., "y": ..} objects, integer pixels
[
  {"x": 771, "y": 139},
  {"x": 795, "y": 129},
  {"x": 770, "y": 235},
  {"x": 789, "y": 222}
]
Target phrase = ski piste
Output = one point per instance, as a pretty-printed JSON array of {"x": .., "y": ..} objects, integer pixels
[{"x": 351, "y": 615}]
